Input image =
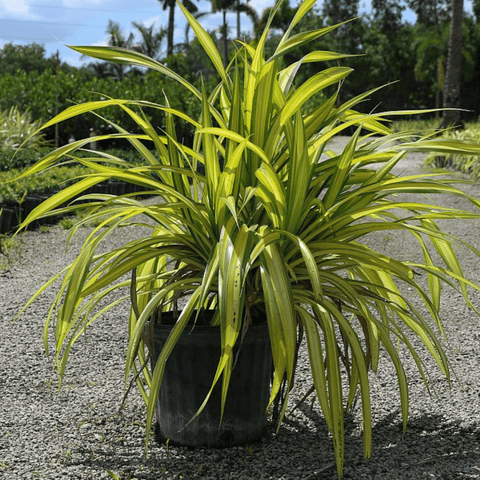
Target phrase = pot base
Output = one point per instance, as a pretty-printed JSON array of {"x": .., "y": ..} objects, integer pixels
[{"x": 188, "y": 377}]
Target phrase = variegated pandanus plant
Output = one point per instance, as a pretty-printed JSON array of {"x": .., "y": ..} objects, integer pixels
[{"x": 274, "y": 221}]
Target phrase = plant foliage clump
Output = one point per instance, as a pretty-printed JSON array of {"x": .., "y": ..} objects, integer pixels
[
  {"x": 465, "y": 163},
  {"x": 276, "y": 222},
  {"x": 17, "y": 130}
]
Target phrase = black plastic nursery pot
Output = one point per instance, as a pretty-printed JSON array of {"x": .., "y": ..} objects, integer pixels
[
  {"x": 33, "y": 201},
  {"x": 6, "y": 219},
  {"x": 188, "y": 377}
]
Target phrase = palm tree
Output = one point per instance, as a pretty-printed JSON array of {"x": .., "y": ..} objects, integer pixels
[
  {"x": 225, "y": 6},
  {"x": 187, "y": 26},
  {"x": 389, "y": 14},
  {"x": 476, "y": 10},
  {"x": 429, "y": 12},
  {"x": 235, "y": 5},
  {"x": 451, "y": 91},
  {"x": 431, "y": 47},
  {"x": 100, "y": 69},
  {"x": 151, "y": 40},
  {"x": 116, "y": 38},
  {"x": 171, "y": 4},
  {"x": 282, "y": 19},
  {"x": 248, "y": 10}
]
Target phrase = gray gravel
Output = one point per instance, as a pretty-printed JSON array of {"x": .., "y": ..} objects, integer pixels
[{"x": 79, "y": 433}]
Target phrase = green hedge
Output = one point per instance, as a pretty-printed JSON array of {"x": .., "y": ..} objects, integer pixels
[
  {"x": 13, "y": 192},
  {"x": 46, "y": 94},
  {"x": 25, "y": 157},
  {"x": 20, "y": 159}
]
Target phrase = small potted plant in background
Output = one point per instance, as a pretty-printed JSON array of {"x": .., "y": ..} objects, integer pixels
[
  {"x": 17, "y": 129},
  {"x": 270, "y": 233}
]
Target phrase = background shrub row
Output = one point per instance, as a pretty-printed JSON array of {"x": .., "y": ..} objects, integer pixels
[
  {"x": 19, "y": 197},
  {"x": 46, "y": 94}
]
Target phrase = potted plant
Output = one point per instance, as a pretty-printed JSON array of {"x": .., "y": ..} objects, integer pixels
[{"x": 273, "y": 228}]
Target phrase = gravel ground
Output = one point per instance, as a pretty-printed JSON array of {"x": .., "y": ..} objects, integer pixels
[{"x": 79, "y": 433}]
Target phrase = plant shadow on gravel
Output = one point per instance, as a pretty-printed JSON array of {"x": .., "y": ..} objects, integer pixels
[
  {"x": 311, "y": 442},
  {"x": 433, "y": 446}
]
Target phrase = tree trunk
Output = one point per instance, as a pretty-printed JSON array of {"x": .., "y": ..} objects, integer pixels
[
  {"x": 171, "y": 28},
  {"x": 238, "y": 19},
  {"x": 225, "y": 39},
  {"x": 451, "y": 90},
  {"x": 440, "y": 85}
]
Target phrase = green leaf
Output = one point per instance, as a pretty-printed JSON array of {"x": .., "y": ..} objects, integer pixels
[
  {"x": 237, "y": 138},
  {"x": 170, "y": 342},
  {"x": 272, "y": 194},
  {"x": 280, "y": 316},
  {"x": 287, "y": 75},
  {"x": 317, "y": 365},
  {"x": 334, "y": 382},
  {"x": 207, "y": 43},
  {"x": 304, "y": 38},
  {"x": 231, "y": 271},
  {"x": 312, "y": 86},
  {"x": 337, "y": 183},
  {"x": 60, "y": 198},
  {"x": 302, "y": 10},
  {"x": 131, "y": 57}
]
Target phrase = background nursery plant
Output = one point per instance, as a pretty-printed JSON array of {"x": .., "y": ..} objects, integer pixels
[
  {"x": 17, "y": 130},
  {"x": 273, "y": 222}
]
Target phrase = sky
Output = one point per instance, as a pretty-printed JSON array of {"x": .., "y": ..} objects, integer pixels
[
  {"x": 57, "y": 23},
  {"x": 54, "y": 23}
]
